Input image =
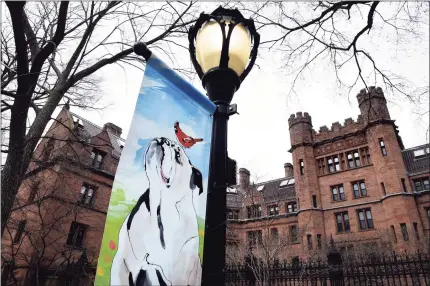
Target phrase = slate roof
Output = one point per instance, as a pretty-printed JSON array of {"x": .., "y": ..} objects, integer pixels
[
  {"x": 90, "y": 130},
  {"x": 272, "y": 192},
  {"x": 417, "y": 165},
  {"x": 234, "y": 200}
]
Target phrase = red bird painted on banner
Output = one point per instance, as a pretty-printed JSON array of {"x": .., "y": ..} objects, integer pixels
[{"x": 184, "y": 139}]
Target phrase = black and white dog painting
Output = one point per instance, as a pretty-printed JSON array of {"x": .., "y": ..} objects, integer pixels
[{"x": 159, "y": 240}]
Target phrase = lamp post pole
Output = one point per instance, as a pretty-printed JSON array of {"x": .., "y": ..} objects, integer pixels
[
  {"x": 218, "y": 84},
  {"x": 214, "y": 252},
  {"x": 222, "y": 65}
]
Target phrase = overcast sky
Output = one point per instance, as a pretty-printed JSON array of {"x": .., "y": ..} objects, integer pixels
[{"x": 258, "y": 137}]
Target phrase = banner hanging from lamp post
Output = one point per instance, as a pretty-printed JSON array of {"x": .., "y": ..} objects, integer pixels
[{"x": 156, "y": 217}]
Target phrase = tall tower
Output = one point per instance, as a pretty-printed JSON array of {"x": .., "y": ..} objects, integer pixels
[
  {"x": 310, "y": 216},
  {"x": 385, "y": 148},
  {"x": 373, "y": 105}
]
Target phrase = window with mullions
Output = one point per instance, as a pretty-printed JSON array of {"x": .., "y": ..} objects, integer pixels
[
  {"x": 353, "y": 159},
  {"x": 365, "y": 219},
  {"x": 342, "y": 222},
  {"x": 291, "y": 207},
  {"x": 232, "y": 214},
  {"x": 421, "y": 184},
  {"x": 333, "y": 164},
  {"x": 357, "y": 159},
  {"x": 87, "y": 195},
  {"x": 359, "y": 189},
  {"x": 338, "y": 193},
  {"x": 273, "y": 210},
  {"x": 254, "y": 211},
  {"x": 76, "y": 234},
  {"x": 97, "y": 159}
]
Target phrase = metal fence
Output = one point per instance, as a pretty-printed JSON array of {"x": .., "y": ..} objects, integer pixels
[{"x": 393, "y": 269}]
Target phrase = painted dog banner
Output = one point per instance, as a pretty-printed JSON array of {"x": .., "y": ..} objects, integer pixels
[{"x": 155, "y": 222}]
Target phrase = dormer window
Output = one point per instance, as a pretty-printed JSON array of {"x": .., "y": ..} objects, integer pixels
[
  {"x": 260, "y": 188},
  {"x": 287, "y": 182},
  {"x": 421, "y": 152},
  {"x": 283, "y": 183},
  {"x": 97, "y": 158}
]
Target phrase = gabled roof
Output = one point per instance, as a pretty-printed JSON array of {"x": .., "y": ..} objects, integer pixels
[
  {"x": 92, "y": 130},
  {"x": 417, "y": 164}
]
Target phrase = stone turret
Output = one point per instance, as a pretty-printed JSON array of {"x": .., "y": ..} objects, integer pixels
[
  {"x": 300, "y": 126},
  {"x": 305, "y": 175},
  {"x": 373, "y": 105}
]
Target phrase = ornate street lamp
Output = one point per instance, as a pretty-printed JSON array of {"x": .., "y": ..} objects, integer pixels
[{"x": 223, "y": 48}]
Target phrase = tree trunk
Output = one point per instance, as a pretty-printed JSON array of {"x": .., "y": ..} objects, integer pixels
[
  {"x": 12, "y": 171},
  {"x": 18, "y": 161}
]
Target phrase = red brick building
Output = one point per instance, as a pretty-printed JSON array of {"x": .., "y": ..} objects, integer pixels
[
  {"x": 60, "y": 210},
  {"x": 354, "y": 183}
]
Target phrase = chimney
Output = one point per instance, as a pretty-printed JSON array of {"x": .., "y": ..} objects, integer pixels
[
  {"x": 288, "y": 170},
  {"x": 113, "y": 129},
  {"x": 244, "y": 175}
]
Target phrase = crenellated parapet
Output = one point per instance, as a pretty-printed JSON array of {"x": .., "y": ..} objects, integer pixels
[
  {"x": 300, "y": 128},
  {"x": 373, "y": 109},
  {"x": 372, "y": 104},
  {"x": 349, "y": 126},
  {"x": 373, "y": 92},
  {"x": 299, "y": 117}
]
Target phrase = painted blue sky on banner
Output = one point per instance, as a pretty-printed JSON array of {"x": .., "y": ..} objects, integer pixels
[{"x": 165, "y": 98}]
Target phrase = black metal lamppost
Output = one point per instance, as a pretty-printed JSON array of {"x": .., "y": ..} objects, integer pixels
[{"x": 223, "y": 48}]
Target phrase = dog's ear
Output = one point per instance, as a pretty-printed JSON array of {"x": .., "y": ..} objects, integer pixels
[{"x": 196, "y": 180}]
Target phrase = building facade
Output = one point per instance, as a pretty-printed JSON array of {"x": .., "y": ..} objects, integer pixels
[
  {"x": 60, "y": 210},
  {"x": 354, "y": 183}
]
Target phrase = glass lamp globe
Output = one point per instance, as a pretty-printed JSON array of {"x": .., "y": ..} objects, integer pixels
[{"x": 209, "y": 45}]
